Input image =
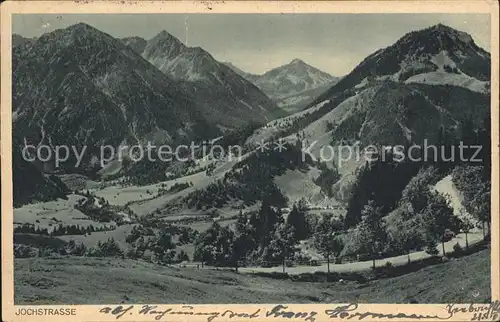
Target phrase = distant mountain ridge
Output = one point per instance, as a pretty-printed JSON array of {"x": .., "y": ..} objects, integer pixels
[
  {"x": 291, "y": 86},
  {"x": 20, "y": 40},
  {"x": 430, "y": 84},
  {"x": 80, "y": 86},
  {"x": 237, "y": 100}
]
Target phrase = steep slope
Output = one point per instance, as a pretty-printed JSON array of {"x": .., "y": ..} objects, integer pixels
[
  {"x": 248, "y": 76},
  {"x": 136, "y": 43},
  {"x": 30, "y": 184},
  {"x": 20, "y": 40},
  {"x": 291, "y": 86},
  {"x": 79, "y": 86},
  {"x": 227, "y": 97},
  {"x": 400, "y": 105}
]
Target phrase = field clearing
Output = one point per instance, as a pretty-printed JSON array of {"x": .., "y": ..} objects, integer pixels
[
  {"x": 43, "y": 214},
  {"x": 119, "y": 234},
  {"x": 199, "y": 180},
  {"x": 296, "y": 184},
  {"x": 188, "y": 248},
  {"x": 78, "y": 182},
  {"x": 79, "y": 280},
  {"x": 202, "y": 226},
  {"x": 120, "y": 196}
]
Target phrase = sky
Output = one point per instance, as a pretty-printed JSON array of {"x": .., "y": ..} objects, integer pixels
[{"x": 256, "y": 43}]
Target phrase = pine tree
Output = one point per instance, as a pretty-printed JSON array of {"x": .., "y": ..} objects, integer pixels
[
  {"x": 297, "y": 220},
  {"x": 163, "y": 245}
]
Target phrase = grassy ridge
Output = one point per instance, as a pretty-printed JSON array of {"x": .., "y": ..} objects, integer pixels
[{"x": 52, "y": 281}]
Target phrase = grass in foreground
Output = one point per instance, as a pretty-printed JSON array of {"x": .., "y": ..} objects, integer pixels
[{"x": 80, "y": 280}]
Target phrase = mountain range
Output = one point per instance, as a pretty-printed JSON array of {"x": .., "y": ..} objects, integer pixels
[
  {"x": 80, "y": 86},
  {"x": 227, "y": 98},
  {"x": 430, "y": 87}
]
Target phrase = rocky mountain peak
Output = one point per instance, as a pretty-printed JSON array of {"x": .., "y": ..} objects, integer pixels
[
  {"x": 165, "y": 37},
  {"x": 297, "y": 61},
  {"x": 437, "y": 38},
  {"x": 165, "y": 43}
]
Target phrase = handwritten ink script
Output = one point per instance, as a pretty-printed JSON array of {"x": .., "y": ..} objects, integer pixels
[
  {"x": 158, "y": 314},
  {"x": 480, "y": 312},
  {"x": 350, "y": 312},
  {"x": 475, "y": 312}
]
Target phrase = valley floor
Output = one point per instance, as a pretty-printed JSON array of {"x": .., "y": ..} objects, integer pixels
[{"x": 81, "y": 280}]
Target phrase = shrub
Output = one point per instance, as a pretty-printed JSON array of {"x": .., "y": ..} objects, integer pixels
[
  {"x": 24, "y": 251},
  {"x": 132, "y": 253},
  {"x": 107, "y": 249},
  {"x": 45, "y": 252},
  {"x": 181, "y": 256},
  {"x": 76, "y": 249},
  {"x": 110, "y": 248},
  {"x": 448, "y": 235},
  {"x": 457, "y": 248},
  {"x": 167, "y": 257}
]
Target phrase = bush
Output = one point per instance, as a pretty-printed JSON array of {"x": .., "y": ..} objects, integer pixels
[
  {"x": 448, "y": 235},
  {"x": 133, "y": 253},
  {"x": 457, "y": 248},
  {"x": 181, "y": 256},
  {"x": 167, "y": 257},
  {"x": 107, "y": 249},
  {"x": 45, "y": 252},
  {"x": 76, "y": 249},
  {"x": 24, "y": 251}
]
